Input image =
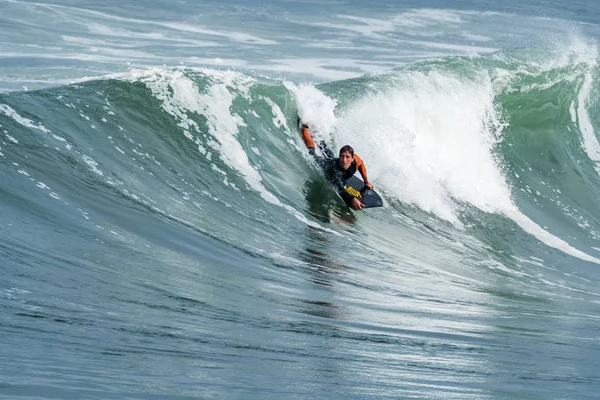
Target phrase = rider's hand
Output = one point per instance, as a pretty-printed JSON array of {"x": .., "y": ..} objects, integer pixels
[{"x": 356, "y": 204}]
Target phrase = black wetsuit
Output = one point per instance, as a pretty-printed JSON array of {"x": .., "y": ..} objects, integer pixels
[{"x": 334, "y": 172}]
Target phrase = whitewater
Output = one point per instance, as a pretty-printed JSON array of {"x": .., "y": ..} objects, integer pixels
[{"x": 165, "y": 234}]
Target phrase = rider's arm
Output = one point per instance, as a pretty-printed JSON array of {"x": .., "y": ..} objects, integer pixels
[
  {"x": 360, "y": 166},
  {"x": 308, "y": 141}
]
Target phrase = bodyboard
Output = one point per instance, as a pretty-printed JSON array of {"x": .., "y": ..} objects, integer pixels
[{"x": 368, "y": 197}]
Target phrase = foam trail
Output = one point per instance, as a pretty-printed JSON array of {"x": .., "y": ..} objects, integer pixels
[
  {"x": 545, "y": 237},
  {"x": 590, "y": 142},
  {"x": 9, "y": 112}
]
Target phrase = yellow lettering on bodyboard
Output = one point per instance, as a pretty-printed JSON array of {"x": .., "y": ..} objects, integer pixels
[{"x": 352, "y": 191}]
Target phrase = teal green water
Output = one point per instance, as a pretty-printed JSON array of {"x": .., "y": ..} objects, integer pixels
[{"x": 165, "y": 234}]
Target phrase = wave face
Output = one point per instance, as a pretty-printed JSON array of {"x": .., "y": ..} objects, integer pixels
[{"x": 169, "y": 224}]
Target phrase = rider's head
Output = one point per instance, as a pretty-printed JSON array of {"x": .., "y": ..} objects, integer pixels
[{"x": 346, "y": 156}]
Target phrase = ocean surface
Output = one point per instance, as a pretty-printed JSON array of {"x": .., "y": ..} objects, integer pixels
[{"x": 165, "y": 235}]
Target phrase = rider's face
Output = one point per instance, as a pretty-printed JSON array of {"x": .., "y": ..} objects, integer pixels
[{"x": 345, "y": 160}]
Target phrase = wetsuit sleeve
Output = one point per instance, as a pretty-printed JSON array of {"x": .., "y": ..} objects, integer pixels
[
  {"x": 308, "y": 141},
  {"x": 360, "y": 166}
]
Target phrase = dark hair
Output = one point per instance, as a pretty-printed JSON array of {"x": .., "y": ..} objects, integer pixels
[{"x": 347, "y": 149}]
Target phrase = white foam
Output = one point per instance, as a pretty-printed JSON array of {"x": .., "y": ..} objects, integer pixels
[
  {"x": 545, "y": 237},
  {"x": 180, "y": 95},
  {"x": 413, "y": 23},
  {"x": 325, "y": 68},
  {"x": 181, "y": 27},
  {"x": 230, "y": 62},
  {"x": 154, "y": 37},
  {"x": 414, "y": 20},
  {"x": 11, "y": 139},
  {"x": 92, "y": 164},
  {"x": 428, "y": 140},
  {"x": 314, "y": 107},
  {"x": 452, "y": 47},
  {"x": 426, "y": 17},
  {"x": 590, "y": 142},
  {"x": 369, "y": 27},
  {"x": 438, "y": 133},
  {"x": 214, "y": 104},
  {"x": 234, "y": 36},
  {"x": 279, "y": 119},
  {"x": 9, "y": 112}
]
